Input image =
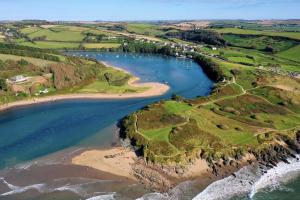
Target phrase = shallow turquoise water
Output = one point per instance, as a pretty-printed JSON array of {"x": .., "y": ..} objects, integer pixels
[{"x": 33, "y": 131}]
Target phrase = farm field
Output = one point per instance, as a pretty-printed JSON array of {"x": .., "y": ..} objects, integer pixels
[
  {"x": 35, "y": 61},
  {"x": 291, "y": 54},
  {"x": 144, "y": 29},
  {"x": 51, "y": 45},
  {"x": 59, "y": 35},
  {"x": 292, "y": 35},
  {"x": 259, "y": 42},
  {"x": 101, "y": 45}
]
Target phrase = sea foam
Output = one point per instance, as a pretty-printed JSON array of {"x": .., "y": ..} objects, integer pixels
[
  {"x": 250, "y": 180},
  {"x": 103, "y": 197},
  {"x": 58, "y": 185},
  {"x": 17, "y": 189}
]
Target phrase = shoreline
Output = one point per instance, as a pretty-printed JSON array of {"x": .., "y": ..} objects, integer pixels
[
  {"x": 155, "y": 89},
  {"x": 121, "y": 161}
]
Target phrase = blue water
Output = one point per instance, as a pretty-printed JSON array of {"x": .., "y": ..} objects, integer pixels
[{"x": 30, "y": 132}]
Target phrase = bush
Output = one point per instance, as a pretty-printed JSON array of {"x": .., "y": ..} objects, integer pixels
[
  {"x": 211, "y": 68},
  {"x": 201, "y": 35},
  {"x": 23, "y": 62},
  {"x": 3, "y": 85}
]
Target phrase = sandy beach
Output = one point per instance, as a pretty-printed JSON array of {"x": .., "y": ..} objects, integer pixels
[
  {"x": 119, "y": 161},
  {"x": 155, "y": 89},
  {"x": 116, "y": 161}
]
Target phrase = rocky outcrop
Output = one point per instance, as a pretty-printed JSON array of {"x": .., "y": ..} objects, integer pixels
[{"x": 152, "y": 177}]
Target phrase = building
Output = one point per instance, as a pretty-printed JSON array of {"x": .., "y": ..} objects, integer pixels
[{"x": 19, "y": 79}]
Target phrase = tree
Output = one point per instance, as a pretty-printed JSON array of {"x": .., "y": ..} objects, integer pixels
[
  {"x": 176, "y": 97},
  {"x": 23, "y": 62},
  {"x": 3, "y": 85},
  {"x": 270, "y": 49}
]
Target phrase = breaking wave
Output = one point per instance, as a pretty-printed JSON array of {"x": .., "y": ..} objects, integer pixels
[
  {"x": 16, "y": 189},
  {"x": 59, "y": 185},
  {"x": 182, "y": 191},
  {"x": 250, "y": 180},
  {"x": 103, "y": 197}
]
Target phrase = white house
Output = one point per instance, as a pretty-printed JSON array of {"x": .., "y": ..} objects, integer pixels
[{"x": 19, "y": 79}]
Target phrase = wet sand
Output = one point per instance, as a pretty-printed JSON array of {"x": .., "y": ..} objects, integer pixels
[{"x": 66, "y": 181}]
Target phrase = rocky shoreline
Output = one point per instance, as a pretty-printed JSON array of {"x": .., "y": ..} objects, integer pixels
[{"x": 162, "y": 178}]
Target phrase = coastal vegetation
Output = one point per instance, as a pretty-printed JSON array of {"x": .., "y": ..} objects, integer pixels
[{"x": 27, "y": 72}]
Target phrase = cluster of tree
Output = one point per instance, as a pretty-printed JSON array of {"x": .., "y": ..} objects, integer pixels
[
  {"x": 23, "y": 62},
  {"x": 142, "y": 47},
  {"x": 116, "y": 28},
  {"x": 91, "y": 37},
  {"x": 270, "y": 49},
  {"x": 198, "y": 35},
  {"x": 212, "y": 69},
  {"x": 40, "y": 38},
  {"x": 111, "y": 80},
  {"x": 74, "y": 72},
  {"x": 27, "y": 51},
  {"x": 3, "y": 85}
]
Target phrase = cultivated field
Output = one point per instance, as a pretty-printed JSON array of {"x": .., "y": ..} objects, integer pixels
[
  {"x": 35, "y": 61},
  {"x": 51, "y": 45},
  {"x": 101, "y": 45},
  {"x": 291, "y": 54},
  {"x": 292, "y": 35}
]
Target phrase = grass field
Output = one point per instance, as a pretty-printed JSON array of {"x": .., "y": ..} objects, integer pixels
[
  {"x": 176, "y": 107},
  {"x": 292, "y": 35},
  {"x": 29, "y": 30},
  {"x": 101, "y": 45},
  {"x": 100, "y": 32},
  {"x": 1, "y": 37},
  {"x": 144, "y": 29},
  {"x": 259, "y": 42},
  {"x": 291, "y": 54},
  {"x": 243, "y": 60},
  {"x": 257, "y": 58},
  {"x": 61, "y": 35},
  {"x": 35, "y": 61},
  {"x": 116, "y": 85},
  {"x": 51, "y": 45},
  {"x": 158, "y": 134}
]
